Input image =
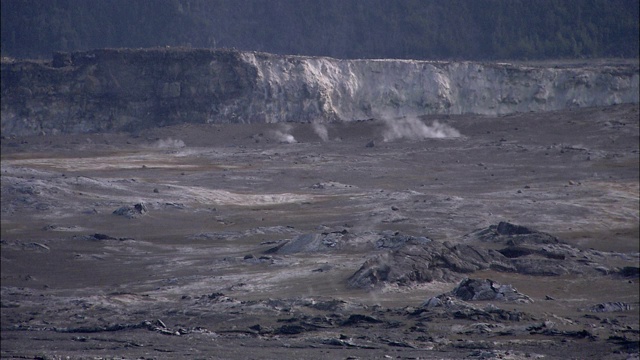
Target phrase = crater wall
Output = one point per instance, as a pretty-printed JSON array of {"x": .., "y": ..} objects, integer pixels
[{"x": 134, "y": 89}]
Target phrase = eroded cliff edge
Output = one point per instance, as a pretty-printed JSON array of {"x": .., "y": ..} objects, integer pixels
[{"x": 134, "y": 89}]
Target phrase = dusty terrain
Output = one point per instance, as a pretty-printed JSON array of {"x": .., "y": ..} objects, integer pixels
[{"x": 229, "y": 243}]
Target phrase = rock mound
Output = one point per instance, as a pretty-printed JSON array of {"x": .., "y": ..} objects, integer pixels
[
  {"x": 131, "y": 212},
  {"x": 510, "y": 234},
  {"x": 410, "y": 259},
  {"x": 426, "y": 262},
  {"x": 610, "y": 307},
  {"x": 476, "y": 290}
]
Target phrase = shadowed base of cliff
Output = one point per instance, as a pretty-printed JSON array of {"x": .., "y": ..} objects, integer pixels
[{"x": 513, "y": 237}]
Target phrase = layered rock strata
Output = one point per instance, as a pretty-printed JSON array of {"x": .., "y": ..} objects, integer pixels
[{"x": 130, "y": 90}]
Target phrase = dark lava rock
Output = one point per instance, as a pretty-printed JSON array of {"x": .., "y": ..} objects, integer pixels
[
  {"x": 516, "y": 251},
  {"x": 513, "y": 235},
  {"x": 419, "y": 259},
  {"x": 308, "y": 243},
  {"x": 548, "y": 267},
  {"x": 132, "y": 211},
  {"x": 290, "y": 330},
  {"x": 610, "y": 307},
  {"x": 359, "y": 318},
  {"x": 329, "y": 305},
  {"x": 103, "y": 237},
  {"x": 426, "y": 262},
  {"x": 580, "y": 334},
  {"x": 629, "y": 271},
  {"x": 397, "y": 240},
  {"x": 505, "y": 228},
  {"x": 447, "y": 307},
  {"x": 475, "y": 290}
]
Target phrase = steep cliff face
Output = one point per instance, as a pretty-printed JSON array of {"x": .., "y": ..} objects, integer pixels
[{"x": 129, "y": 90}]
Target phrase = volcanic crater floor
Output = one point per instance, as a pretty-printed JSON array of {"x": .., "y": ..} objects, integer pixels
[{"x": 223, "y": 241}]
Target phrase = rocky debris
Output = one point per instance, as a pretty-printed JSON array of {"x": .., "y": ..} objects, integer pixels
[
  {"x": 449, "y": 307},
  {"x": 54, "y": 227},
  {"x": 333, "y": 185},
  {"x": 36, "y": 246},
  {"x": 417, "y": 260},
  {"x": 547, "y": 267},
  {"x": 629, "y": 272},
  {"x": 157, "y": 326},
  {"x": 330, "y": 305},
  {"x": 478, "y": 328},
  {"x": 476, "y": 290},
  {"x": 101, "y": 237},
  {"x": 610, "y": 307},
  {"x": 410, "y": 259},
  {"x": 250, "y": 258},
  {"x": 396, "y": 240},
  {"x": 544, "y": 329},
  {"x": 132, "y": 212},
  {"x": 346, "y": 343},
  {"x": 174, "y": 205},
  {"x": 234, "y": 235},
  {"x": 359, "y": 318},
  {"x": 318, "y": 186},
  {"x": 290, "y": 330},
  {"x": 309, "y": 243},
  {"x": 517, "y": 251},
  {"x": 503, "y": 354},
  {"x": 513, "y": 235},
  {"x": 627, "y": 345}
]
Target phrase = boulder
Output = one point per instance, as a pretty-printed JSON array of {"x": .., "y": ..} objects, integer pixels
[
  {"x": 610, "y": 307},
  {"x": 447, "y": 306},
  {"x": 131, "y": 212},
  {"x": 477, "y": 290}
]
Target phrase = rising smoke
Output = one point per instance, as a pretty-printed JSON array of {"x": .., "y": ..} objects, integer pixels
[
  {"x": 283, "y": 135},
  {"x": 170, "y": 143},
  {"x": 321, "y": 131},
  {"x": 412, "y": 128}
]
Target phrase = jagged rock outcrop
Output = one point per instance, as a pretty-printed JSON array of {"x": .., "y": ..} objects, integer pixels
[
  {"x": 431, "y": 261},
  {"x": 130, "y": 90},
  {"x": 513, "y": 235},
  {"x": 131, "y": 212},
  {"x": 611, "y": 307},
  {"x": 487, "y": 289},
  {"x": 525, "y": 251}
]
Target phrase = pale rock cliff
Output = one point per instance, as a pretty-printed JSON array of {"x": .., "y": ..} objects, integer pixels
[{"x": 130, "y": 90}]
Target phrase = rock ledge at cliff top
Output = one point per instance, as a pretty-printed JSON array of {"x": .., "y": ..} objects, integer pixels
[{"x": 134, "y": 89}]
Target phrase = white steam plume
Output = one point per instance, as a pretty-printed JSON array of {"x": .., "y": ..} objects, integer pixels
[
  {"x": 283, "y": 135},
  {"x": 321, "y": 131},
  {"x": 169, "y": 143},
  {"x": 413, "y": 129}
]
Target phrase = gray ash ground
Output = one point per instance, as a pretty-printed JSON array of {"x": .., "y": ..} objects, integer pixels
[{"x": 517, "y": 239}]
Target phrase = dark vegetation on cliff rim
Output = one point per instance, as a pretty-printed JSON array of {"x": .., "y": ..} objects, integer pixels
[{"x": 410, "y": 29}]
